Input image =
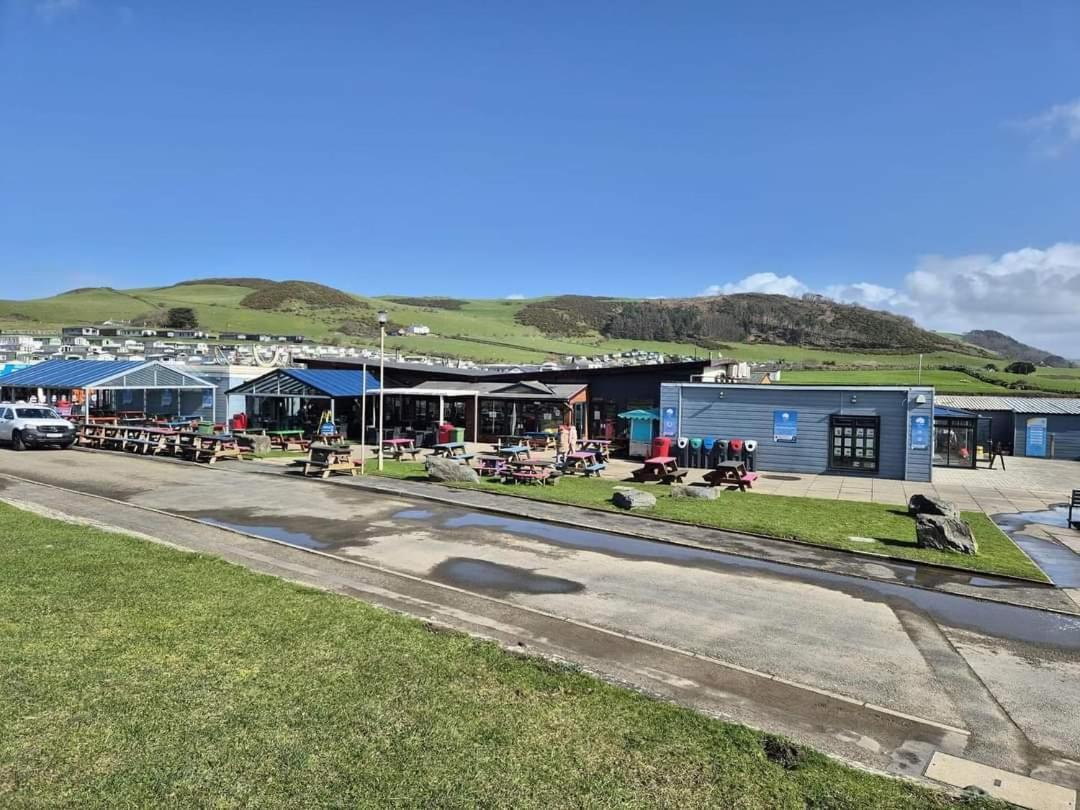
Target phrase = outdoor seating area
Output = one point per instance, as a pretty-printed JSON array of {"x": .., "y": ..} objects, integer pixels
[
  {"x": 326, "y": 459},
  {"x": 151, "y": 440},
  {"x": 731, "y": 474},
  {"x": 659, "y": 469}
]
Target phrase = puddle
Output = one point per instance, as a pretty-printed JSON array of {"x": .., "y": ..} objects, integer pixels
[
  {"x": 273, "y": 532},
  {"x": 414, "y": 514},
  {"x": 1059, "y": 562},
  {"x": 992, "y": 618},
  {"x": 499, "y": 580}
]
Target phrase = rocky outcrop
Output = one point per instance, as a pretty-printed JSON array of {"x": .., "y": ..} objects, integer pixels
[
  {"x": 630, "y": 498},
  {"x": 944, "y": 534},
  {"x": 447, "y": 469},
  {"x": 932, "y": 505},
  {"x": 687, "y": 491}
]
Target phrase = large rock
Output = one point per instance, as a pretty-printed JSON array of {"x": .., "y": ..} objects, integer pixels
[
  {"x": 687, "y": 491},
  {"x": 931, "y": 505},
  {"x": 944, "y": 534},
  {"x": 630, "y": 498},
  {"x": 447, "y": 469},
  {"x": 256, "y": 443}
]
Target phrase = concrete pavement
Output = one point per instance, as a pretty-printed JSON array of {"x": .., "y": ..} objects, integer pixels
[{"x": 755, "y": 641}]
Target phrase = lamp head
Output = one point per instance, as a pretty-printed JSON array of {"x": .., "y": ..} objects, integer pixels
[{"x": 382, "y": 317}]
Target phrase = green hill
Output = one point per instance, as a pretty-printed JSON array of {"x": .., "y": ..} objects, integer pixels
[{"x": 823, "y": 337}]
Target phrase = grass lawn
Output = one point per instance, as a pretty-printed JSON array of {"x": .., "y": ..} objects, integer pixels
[
  {"x": 812, "y": 520},
  {"x": 138, "y": 675},
  {"x": 946, "y": 382}
]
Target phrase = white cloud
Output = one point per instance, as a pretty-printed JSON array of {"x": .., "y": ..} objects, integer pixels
[
  {"x": 515, "y": 297},
  {"x": 1056, "y": 130},
  {"x": 1032, "y": 294},
  {"x": 760, "y": 283},
  {"x": 52, "y": 10}
]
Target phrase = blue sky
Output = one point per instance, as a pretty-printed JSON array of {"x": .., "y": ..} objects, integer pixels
[{"x": 922, "y": 156}]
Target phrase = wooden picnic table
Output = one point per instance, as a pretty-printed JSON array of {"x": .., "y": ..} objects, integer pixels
[
  {"x": 508, "y": 440},
  {"x": 539, "y": 440},
  {"x": 659, "y": 468},
  {"x": 208, "y": 447},
  {"x": 731, "y": 474},
  {"x": 451, "y": 450},
  {"x": 489, "y": 465},
  {"x": 602, "y": 447},
  {"x": 287, "y": 439},
  {"x": 325, "y": 459},
  {"x": 515, "y": 452},
  {"x": 531, "y": 470},
  {"x": 399, "y": 447}
]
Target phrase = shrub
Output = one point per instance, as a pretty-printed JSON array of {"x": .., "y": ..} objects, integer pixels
[
  {"x": 181, "y": 318},
  {"x": 1020, "y": 367}
]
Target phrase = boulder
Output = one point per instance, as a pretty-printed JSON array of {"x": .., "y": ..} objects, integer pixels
[
  {"x": 257, "y": 444},
  {"x": 447, "y": 469},
  {"x": 687, "y": 491},
  {"x": 630, "y": 498},
  {"x": 931, "y": 505},
  {"x": 944, "y": 534}
]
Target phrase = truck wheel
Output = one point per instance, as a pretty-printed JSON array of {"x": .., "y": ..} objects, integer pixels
[{"x": 17, "y": 442}]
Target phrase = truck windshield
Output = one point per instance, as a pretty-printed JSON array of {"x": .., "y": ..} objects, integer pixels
[{"x": 36, "y": 413}]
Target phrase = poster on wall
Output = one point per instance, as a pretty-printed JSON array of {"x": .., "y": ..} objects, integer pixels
[
  {"x": 208, "y": 399},
  {"x": 785, "y": 426},
  {"x": 669, "y": 421},
  {"x": 920, "y": 432},
  {"x": 1036, "y": 437}
]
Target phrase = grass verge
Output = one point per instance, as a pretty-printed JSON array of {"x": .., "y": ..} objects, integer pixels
[
  {"x": 137, "y": 675},
  {"x": 882, "y": 528}
]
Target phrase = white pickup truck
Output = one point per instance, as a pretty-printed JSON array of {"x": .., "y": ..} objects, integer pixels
[{"x": 23, "y": 426}]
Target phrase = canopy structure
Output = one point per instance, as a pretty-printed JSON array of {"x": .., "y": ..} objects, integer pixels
[
  {"x": 639, "y": 414},
  {"x": 66, "y": 377},
  {"x": 309, "y": 383}
]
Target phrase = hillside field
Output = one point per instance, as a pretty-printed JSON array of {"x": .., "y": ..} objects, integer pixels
[{"x": 480, "y": 330}]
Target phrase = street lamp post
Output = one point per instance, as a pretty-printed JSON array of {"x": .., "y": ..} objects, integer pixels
[{"x": 382, "y": 379}]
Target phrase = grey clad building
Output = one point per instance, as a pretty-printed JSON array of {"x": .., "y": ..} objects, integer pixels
[{"x": 880, "y": 431}]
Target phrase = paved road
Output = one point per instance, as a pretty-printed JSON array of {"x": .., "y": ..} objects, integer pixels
[{"x": 771, "y": 645}]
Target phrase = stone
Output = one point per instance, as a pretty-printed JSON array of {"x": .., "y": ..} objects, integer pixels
[
  {"x": 257, "y": 444},
  {"x": 630, "y": 498},
  {"x": 447, "y": 469},
  {"x": 932, "y": 505},
  {"x": 944, "y": 534},
  {"x": 687, "y": 491}
]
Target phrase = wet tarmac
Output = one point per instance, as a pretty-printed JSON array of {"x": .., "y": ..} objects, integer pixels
[
  {"x": 994, "y": 619},
  {"x": 1060, "y": 562}
]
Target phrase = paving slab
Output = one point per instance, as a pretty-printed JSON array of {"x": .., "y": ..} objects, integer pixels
[{"x": 1020, "y": 790}]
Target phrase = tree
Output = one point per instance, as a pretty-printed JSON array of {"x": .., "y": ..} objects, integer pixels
[
  {"x": 990, "y": 367},
  {"x": 1020, "y": 367},
  {"x": 181, "y": 318}
]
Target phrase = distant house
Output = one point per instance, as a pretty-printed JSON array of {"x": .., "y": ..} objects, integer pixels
[{"x": 417, "y": 329}]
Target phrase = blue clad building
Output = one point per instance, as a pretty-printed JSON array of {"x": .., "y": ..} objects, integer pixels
[{"x": 879, "y": 431}]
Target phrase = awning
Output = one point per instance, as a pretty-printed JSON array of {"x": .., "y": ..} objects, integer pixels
[
  {"x": 309, "y": 383},
  {"x": 952, "y": 413},
  {"x": 103, "y": 375},
  {"x": 639, "y": 413}
]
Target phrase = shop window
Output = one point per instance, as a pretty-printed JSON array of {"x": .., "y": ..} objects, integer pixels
[{"x": 854, "y": 443}]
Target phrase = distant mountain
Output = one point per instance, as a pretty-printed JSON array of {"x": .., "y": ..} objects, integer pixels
[
  {"x": 811, "y": 321},
  {"x": 1013, "y": 349}
]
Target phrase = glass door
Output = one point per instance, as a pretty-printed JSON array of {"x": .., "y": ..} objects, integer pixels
[{"x": 854, "y": 443}]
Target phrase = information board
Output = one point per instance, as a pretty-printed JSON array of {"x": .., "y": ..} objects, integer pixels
[
  {"x": 1036, "y": 437},
  {"x": 920, "y": 432},
  {"x": 669, "y": 421},
  {"x": 785, "y": 426}
]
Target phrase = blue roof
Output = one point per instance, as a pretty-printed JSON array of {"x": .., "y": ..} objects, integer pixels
[
  {"x": 334, "y": 382},
  {"x": 68, "y": 374}
]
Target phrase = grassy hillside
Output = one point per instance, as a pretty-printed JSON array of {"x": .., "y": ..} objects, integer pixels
[
  {"x": 945, "y": 382},
  {"x": 489, "y": 330}
]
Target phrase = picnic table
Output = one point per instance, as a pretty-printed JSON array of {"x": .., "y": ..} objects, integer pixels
[
  {"x": 329, "y": 458},
  {"x": 287, "y": 439},
  {"x": 508, "y": 440},
  {"x": 454, "y": 450},
  {"x": 664, "y": 469},
  {"x": 207, "y": 447},
  {"x": 396, "y": 448},
  {"x": 516, "y": 452},
  {"x": 731, "y": 474},
  {"x": 490, "y": 466},
  {"x": 539, "y": 440},
  {"x": 601, "y": 447},
  {"x": 531, "y": 471},
  {"x": 583, "y": 461}
]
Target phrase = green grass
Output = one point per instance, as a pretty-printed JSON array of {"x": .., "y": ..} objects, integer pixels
[
  {"x": 818, "y": 521},
  {"x": 136, "y": 675},
  {"x": 1052, "y": 380},
  {"x": 945, "y": 382}
]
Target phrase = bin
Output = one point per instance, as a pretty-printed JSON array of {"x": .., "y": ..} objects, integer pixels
[
  {"x": 719, "y": 452},
  {"x": 695, "y": 453},
  {"x": 750, "y": 453},
  {"x": 445, "y": 433},
  {"x": 735, "y": 449},
  {"x": 661, "y": 446},
  {"x": 682, "y": 451},
  {"x": 458, "y": 435}
]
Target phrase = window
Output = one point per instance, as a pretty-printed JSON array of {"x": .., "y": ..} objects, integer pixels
[
  {"x": 36, "y": 413},
  {"x": 5, "y": 413},
  {"x": 854, "y": 442}
]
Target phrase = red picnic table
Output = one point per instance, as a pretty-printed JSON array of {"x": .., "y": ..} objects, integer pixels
[
  {"x": 659, "y": 468},
  {"x": 399, "y": 447}
]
